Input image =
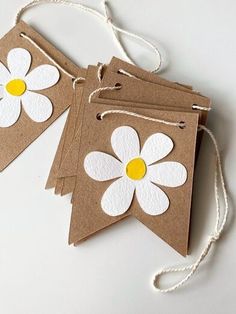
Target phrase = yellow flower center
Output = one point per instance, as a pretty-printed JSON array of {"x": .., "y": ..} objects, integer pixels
[
  {"x": 16, "y": 87},
  {"x": 136, "y": 169}
]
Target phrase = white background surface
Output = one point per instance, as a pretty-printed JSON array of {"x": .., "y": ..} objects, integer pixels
[{"x": 112, "y": 272}]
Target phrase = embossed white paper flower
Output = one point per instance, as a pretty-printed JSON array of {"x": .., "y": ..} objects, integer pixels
[
  {"x": 17, "y": 87},
  {"x": 137, "y": 172}
]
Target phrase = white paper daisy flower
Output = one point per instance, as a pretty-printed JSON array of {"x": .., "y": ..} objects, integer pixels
[
  {"x": 136, "y": 172},
  {"x": 17, "y": 86}
]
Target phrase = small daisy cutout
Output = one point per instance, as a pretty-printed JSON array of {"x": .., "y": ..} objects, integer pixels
[
  {"x": 17, "y": 87},
  {"x": 137, "y": 172}
]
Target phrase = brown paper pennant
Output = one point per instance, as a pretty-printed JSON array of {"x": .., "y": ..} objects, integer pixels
[
  {"x": 88, "y": 217},
  {"x": 30, "y": 95}
]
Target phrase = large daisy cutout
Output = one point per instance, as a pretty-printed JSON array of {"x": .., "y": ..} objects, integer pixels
[
  {"x": 17, "y": 87},
  {"x": 136, "y": 171}
]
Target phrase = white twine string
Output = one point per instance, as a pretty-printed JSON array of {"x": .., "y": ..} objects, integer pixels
[
  {"x": 219, "y": 226},
  {"x": 77, "y": 80},
  {"x": 99, "y": 73},
  {"x": 105, "y": 18},
  {"x": 98, "y": 90},
  {"x": 108, "y": 112},
  {"x": 124, "y": 72},
  {"x": 196, "y": 107},
  {"x": 116, "y": 29}
]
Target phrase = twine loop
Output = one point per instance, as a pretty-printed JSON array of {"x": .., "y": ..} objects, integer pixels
[
  {"x": 106, "y": 18},
  {"x": 77, "y": 80}
]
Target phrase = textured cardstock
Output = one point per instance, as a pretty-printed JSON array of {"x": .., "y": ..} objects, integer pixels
[
  {"x": 88, "y": 216},
  {"x": 14, "y": 139}
]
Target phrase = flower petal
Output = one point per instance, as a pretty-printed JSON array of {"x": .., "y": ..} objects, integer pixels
[
  {"x": 10, "y": 109},
  {"x": 169, "y": 173},
  {"x": 5, "y": 76},
  {"x": 38, "y": 107},
  {"x": 102, "y": 167},
  {"x": 118, "y": 197},
  {"x": 19, "y": 61},
  {"x": 125, "y": 143},
  {"x": 151, "y": 198},
  {"x": 44, "y": 76},
  {"x": 156, "y": 147}
]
